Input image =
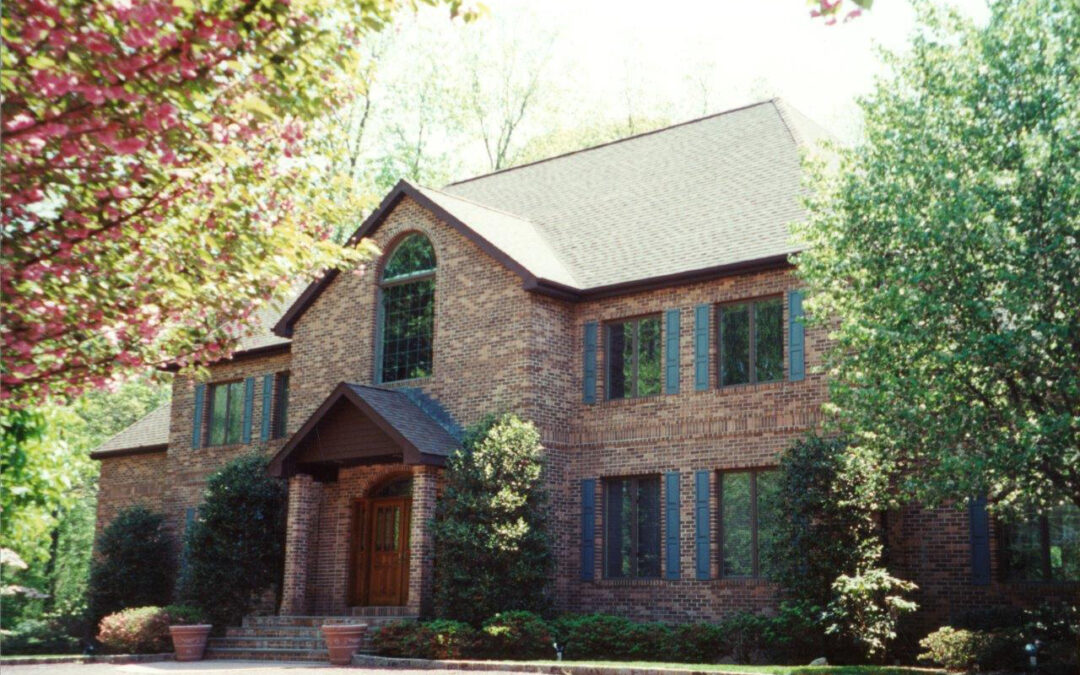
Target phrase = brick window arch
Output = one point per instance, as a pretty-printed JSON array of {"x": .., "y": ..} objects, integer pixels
[{"x": 407, "y": 310}]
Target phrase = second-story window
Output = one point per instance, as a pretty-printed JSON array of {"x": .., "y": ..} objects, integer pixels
[
  {"x": 408, "y": 310},
  {"x": 752, "y": 342},
  {"x": 226, "y": 424},
  {"x": 633, "y": 358},
  {"x": 281, "y": 404}
]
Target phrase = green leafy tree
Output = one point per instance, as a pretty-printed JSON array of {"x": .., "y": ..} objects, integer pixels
[
  {"x": 234, "y": 551},
  {"x": 491, "y": 536},
  {"x": 136, "y": 566},
  {"x": 943, "y": 253}
]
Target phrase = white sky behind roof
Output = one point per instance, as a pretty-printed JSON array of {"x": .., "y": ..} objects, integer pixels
[{"x": 740, "y": 50}]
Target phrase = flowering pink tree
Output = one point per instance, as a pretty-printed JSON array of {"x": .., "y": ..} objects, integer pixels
[
  {"x": 150, "y": 193},
  {"x": 832, "y": 11}
]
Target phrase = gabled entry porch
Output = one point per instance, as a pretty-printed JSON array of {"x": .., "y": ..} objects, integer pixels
[{"x": 363, "y": 474}]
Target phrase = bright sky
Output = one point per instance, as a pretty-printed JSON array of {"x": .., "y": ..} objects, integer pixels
[{"x": 697, "y": 56}]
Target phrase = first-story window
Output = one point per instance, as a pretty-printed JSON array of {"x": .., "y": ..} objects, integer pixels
[
  {"x": 633, "y": 358},
  {"x": 752, "y": 342},
  {"x": 226, "y": 424},
  {"x": 1046, "y": 548},
  {"x": 632, "y": 527},
  {"x": 747, "y": 521}
]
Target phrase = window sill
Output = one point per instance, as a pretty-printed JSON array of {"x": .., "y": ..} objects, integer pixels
[
  {"x": 411, "y": 382},
  {"x": 643, "y": 581},
  {"x": 751, "y": 386}
]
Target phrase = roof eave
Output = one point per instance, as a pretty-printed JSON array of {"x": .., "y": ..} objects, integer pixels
[
  {"x": 561, "y": 291},
  {"x": 128, "y": 452},
  {"x": 239, "y": 355}
]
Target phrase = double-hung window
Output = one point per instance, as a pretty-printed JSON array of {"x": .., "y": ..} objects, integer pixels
[
  {"x": 1046, "y": 548},
  {"x": 747, "y": 521},
  {"x": 633, "y": 358},
  {"x": 226, "y": 424},
  {"x": 632, "y": 527},
  {"x": 281, "y": 404},
  {"x": 751, "y": 342}
]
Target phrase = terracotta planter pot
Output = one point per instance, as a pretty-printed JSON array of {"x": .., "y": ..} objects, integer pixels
[
  {"x": 189, "y": 642},
  {"x": 342, "y": 641}
]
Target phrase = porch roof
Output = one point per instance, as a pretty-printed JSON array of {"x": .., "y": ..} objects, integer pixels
[{"x": 359, "y": 424}]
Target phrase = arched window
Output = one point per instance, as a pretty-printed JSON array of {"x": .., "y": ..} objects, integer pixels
[{"x": 408, "y": 310}]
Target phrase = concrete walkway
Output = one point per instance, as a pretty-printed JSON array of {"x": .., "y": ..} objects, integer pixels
[{"x": 214, "y": 667}]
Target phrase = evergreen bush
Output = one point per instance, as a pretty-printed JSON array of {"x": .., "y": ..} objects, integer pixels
[
  {"x": 825, "y": 554},
  {"x": 491, "y": 535},
  {"x": 234, "y": 551},
  {"x": 136, "y": 566}
]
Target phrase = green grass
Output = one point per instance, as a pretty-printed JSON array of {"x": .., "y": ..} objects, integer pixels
[{"x": 754, "y": 670}]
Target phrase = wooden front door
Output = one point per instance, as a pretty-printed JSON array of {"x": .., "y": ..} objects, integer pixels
[{"x": 388, "y": 551}]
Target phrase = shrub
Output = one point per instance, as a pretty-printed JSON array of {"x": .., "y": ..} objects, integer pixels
[
  {"x": 651, "y": 642},
  {"x": 38, "y": 636},
  {"x": 453, "y": 639},
  {"x": 518, "y": 634},
  {"x": 745, "y": 634},
  {"x": 403, "y": 639},
  {"x": 439, "y": 639},
  {"x": 491, "y": 525},
  {"x": 235, "y": 550},
  {"x": 699, "y": 642},
  {"x": 955, "y": 649},
  {"x": 595, "y": 636},
  {"x": 137, "y": 630},
  {"x": 136, "y": 566},
  {"x": 185, "y": 615}
]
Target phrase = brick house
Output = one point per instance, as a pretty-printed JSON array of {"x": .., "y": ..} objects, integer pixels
[{"x": 637, "y": 302}]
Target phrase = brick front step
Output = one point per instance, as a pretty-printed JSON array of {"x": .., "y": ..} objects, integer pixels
[
  {"x": 381, "y": 611},
  {"x": 263, "y": 642},
  {"x": 314, "y": 655},
  {"x": 289, "y": 638}
]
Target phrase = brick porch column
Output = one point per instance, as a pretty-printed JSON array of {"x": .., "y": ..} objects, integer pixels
[
  {"x": 421, "y": 541},
  {"x": 300, "y": 523}
]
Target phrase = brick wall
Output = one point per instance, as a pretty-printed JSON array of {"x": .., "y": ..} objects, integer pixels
[{"x": 131, "y": 480}]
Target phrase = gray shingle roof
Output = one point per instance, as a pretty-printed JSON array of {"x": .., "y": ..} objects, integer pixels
[
  {"x": 715, "y": 191},
  {"x": 398, "y": 410},
  {"x": 152, "y": 431}
]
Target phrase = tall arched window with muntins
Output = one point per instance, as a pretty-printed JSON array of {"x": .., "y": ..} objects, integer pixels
[{"x": 408, "y": 310}]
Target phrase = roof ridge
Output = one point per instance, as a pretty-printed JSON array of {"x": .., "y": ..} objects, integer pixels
[
  {"x": 613, "y": 142},
  {"x": 540, "y": 229},
  {"x": 782, "y": 113}
]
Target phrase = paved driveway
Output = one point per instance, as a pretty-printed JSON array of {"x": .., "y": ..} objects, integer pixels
[{"x": 214, "y": 667}]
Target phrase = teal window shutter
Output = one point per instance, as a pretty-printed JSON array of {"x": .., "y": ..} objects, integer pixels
[
  {"x": 671, "y": 352},
  {"x": 591, "y": 337},
  {"x": 249, "y": 403},
  {"x": 701, "y": 524},
  {"x": 588, "y": 528},
  {"x": 701, "y": 347},
  {"x": 671, "y": 524},
  {"x": 980, "y": 541},
  {"x": 267, "y": 407},
  {"x": 197, "y": 422},
  {"x": 796, "y": 337}
]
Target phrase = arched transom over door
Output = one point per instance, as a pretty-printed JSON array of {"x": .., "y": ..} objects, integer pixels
[{"x": 380, "y": 569}]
